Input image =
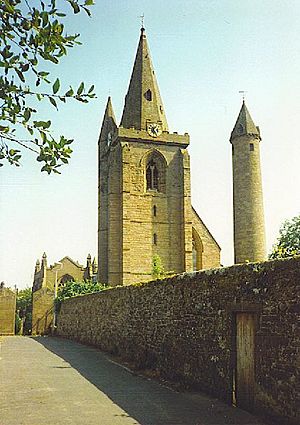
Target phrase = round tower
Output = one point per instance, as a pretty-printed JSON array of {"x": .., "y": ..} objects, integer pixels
[{"x": 248, "y": 211}]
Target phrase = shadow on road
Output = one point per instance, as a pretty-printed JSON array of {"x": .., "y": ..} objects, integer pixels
[{"x": 144, "y": 400}]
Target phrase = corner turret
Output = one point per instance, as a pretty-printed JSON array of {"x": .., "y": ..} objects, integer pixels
[
  {"x": 44, "y": 261},
  {"x": 109, "y": 125}
]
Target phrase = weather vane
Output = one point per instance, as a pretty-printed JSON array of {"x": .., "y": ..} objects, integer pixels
[
  {"x": 243, "y": 93},
  {"x": 142, "y": 20}
]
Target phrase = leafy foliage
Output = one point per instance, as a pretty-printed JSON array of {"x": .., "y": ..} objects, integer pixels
[
  {"x": 73, "y": 289},
  {"x": 288, "y": 242},
  {"x": 158, "y": 271},
  {"x": 24, "y": 310},
  {"x": 30, "y": 37}
]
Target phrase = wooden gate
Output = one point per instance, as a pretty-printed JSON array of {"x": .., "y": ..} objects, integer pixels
[{"x": 244, "y": 376}]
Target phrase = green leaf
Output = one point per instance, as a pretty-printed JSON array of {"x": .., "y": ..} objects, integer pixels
[
  {"x": 69, "y": 92},
  {"x": 53, "y": 102},
  {"x": 80, "y": 89},
  {"x": 27, "y": 114},
  {"x": 42, "y": 124},
  {"x": 20, "y": 75},
  {"x": 75, "y": 6},
  {"x": 56, "y": 86}
]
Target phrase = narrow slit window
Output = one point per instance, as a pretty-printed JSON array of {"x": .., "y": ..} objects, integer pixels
[
  {"x": 148, "y": 95},
  {"x": 155, "y": 239},
  {"x": 154, "y": 211},
  {"x": 251, "y": 147}
]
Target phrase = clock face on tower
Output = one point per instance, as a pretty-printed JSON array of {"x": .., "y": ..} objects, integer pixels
[{"x": 154, "y": 129}]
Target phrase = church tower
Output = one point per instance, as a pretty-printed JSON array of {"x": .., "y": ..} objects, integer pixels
[
  {"x": 144, "y": 189},
  {"x": 248, "y": 211}
]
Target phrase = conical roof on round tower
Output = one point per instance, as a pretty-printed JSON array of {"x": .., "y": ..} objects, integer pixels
[
  {"x": 143, "y": 102},
  {"x": 244, "y": 124}
]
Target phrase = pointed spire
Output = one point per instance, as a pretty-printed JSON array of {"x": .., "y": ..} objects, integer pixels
[
  {"x": 109, "y": 121},
  {"x": 37, "y": 266},
  {"x": 44, "y": 260},
  {"x": 143, "y": 102},
  {"x": 94, "y": 266},
  {"x": 244, "y": 124}
]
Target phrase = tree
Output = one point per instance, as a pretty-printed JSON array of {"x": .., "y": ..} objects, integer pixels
[
  {"x": 73, "y": 289},
  {"x": 24, "y": 310},
  {"x": 288, "y": 242},
  {"x": 30, "y": 36}
]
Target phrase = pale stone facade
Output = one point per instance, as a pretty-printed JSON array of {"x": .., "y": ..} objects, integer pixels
[
  {"x": 249, "y": 226},
  {"x": 7, "y": 311},
  {"x": 47, "y": 280},
  {"x": 145, "y": 190}
]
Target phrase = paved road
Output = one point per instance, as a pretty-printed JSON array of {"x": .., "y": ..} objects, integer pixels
[{"x": 53, "y": 381}]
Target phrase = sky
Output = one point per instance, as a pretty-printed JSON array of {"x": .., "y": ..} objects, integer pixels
[{"x": 204, "y": 53}]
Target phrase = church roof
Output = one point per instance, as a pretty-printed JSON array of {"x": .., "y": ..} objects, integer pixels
[
  {"x": 143, "y": 103},
  {"x": 244, "y": 124}
]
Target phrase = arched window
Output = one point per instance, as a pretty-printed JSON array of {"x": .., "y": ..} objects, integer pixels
[
  {"x": 152, "y": 176},
  {"x": 155, "y": 172},
  {"x": 64, "y": 279},
  {"x": 197, "y": 249}
]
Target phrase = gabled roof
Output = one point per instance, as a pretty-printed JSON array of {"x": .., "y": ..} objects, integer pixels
[
  {"x": 143, "y": 102},
  {"x": 206, "y": 228},
  {"x": 244, "y": 124},
  {"x": 71, "y": 261}
]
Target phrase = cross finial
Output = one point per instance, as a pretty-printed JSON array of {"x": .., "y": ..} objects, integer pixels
[
  {"x": 142, "y": 20},
  {"x": 243, "y": 93}
]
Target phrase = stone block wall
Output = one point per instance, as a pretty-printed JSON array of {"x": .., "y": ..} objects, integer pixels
[
  {"x": 184, "y": 327},
  {"x": 7, "y": 311},
  {"x": 42, "y": 311}
]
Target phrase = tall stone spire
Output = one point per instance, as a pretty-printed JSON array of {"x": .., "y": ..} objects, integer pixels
[
  {"x": 143, "y": 104},
  {"x": 249, "y": 227}
]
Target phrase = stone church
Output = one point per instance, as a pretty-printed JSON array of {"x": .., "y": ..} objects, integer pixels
[{"x": 145, "y": 205}]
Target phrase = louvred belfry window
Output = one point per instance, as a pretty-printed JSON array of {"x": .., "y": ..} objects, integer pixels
[
  {"x": 152, "y": 176},
  {"x": 155, "y": 172}
]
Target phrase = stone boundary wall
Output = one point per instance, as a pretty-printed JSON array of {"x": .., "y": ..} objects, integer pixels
[{"x": 184, "y": 327}]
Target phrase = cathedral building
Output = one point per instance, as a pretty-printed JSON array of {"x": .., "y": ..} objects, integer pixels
[
  {"x": 145, "y": 206},
  {"x": 66, "y": 270},
  {"x": 46, "y": 283}
]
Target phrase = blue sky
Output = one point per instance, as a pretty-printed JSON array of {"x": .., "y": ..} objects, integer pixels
[{"x": 203, "y": 52}]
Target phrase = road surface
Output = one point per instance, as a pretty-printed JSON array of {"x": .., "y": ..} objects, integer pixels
[{"x": 54, "y": 381}]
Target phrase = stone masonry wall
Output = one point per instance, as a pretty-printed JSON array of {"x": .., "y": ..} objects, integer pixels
[
  {"x": 7, "y": 311},
  {"x": 184, "y": 327},
  {"x": 42, "y": 311}
]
